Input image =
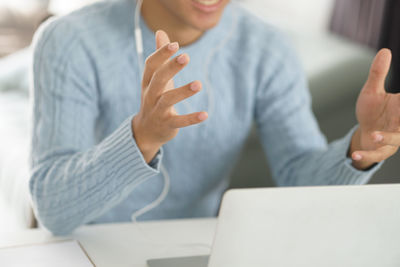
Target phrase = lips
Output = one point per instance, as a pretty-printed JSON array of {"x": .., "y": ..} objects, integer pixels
[
  {"x": 207, "y": 2},
  {"x": 207, "y": 6}
]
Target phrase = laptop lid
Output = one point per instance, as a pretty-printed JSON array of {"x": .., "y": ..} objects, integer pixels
[
  {"x": 356, "y": 226},
  {"x": 195, "y": 261}
]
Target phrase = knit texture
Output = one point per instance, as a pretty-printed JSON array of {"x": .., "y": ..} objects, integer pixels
[{"x": 86, "y": 166}]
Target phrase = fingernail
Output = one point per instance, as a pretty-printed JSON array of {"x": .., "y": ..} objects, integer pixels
[
  {"x": 378, "y": 138},
  {"x": 195, "y": 86},
  {"x": 173, "y": 46},
  {"x": 357, "y": 157},
  {"x": 181, "y": 59},
  {"x": 203, "y": 116}
]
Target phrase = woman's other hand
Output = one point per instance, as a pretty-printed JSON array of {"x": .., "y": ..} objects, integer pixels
[{"x": 378, "y": 114}]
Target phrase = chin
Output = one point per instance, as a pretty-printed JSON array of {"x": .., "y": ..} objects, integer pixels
[
  {"x": 205, "y": 26},
  {"x": 204, "y": 23}
]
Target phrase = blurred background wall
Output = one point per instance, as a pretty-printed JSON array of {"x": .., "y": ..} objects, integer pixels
[{"x": 336, "y": 41}]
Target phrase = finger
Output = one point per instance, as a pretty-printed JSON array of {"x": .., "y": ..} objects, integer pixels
[
  {"x": 386, "y": 138},
  {"x": 156, "y": 59},
  {"x": 166, "y": 72},
  {"x": 161, "y": 39},
  {"x": 376, "y": 156},
  {"x": 379, "y": 71},
  {"x": 175, "y": 96},
  {"x": 181, "y": 121}
]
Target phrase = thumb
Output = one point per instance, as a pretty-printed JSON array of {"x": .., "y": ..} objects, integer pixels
[
  {"x": 379, "y": 71},
  {"x": 161, "y": 39}
]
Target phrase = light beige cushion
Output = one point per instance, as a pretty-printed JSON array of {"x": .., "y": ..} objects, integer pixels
[{"x": 62, "y": 7}]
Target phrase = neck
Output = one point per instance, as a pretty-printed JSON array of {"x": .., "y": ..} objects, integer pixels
[{"x": 157, "y": 17}]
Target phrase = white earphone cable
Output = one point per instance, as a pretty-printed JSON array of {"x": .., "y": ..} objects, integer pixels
[
  {"x": 211, "y": 102},
  {"x": 138, "y": 36},
  {"x": 159, "y": 200},
  {"x": 167, "y": 179},
  {"x": 140, "y": 54}
]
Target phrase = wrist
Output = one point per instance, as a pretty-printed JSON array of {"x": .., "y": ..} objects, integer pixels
[
  {"x": 147, "y": 148},
  {"x": 357, "y": 144}
]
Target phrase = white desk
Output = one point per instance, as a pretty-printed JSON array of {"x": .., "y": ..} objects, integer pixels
[{"x": 119, "y": 245}]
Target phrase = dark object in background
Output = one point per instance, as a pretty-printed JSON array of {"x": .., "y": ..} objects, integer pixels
[
  {"x": 375, "y": 23},
  {"x": 390, "y": 37},
  {"x": 359, "y": 20}
]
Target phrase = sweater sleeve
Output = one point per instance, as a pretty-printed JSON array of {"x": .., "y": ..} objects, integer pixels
[
  {"x": 75, "y": 179},
  {"x": 296, "y": 149}
]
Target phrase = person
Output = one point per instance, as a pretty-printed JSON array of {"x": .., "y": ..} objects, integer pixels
[{"x": 103, "y": 131}]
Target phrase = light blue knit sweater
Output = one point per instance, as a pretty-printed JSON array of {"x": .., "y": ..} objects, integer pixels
[{"x": 86, "y": 166}]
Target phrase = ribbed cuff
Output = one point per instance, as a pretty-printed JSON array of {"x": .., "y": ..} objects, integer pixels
[
  {"x": 126, "y": 156},
  {"x": 349, "y": 173}
]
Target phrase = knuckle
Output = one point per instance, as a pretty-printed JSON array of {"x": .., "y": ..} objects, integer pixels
[
  {"x": 375, "y": 72},
  {"x": 387, "y": 138},
  {"x": 158, "y": 75},
  {"x": 193, "y": 119},
  {"x": 171, "y": 121},
  {"x": 148, "y": 62},
  {"x": 165, "y": 51},
  {"x": 153, "y": 57},
  {"x": 145, "y": 95},
  {"x": 164, "y": 101},
  {"x": 164, "y": 118},
  {"x": 147, "y": 102},
  {"x": 380, "y": 158},
  {"x": 161, "y": 102},
  {"x": 394, "y": 120}
]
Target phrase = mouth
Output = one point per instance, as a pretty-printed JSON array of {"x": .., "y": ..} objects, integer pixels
[{"x": 207, "y": 6}]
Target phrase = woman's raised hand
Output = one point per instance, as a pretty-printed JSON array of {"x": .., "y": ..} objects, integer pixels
[
  {"x": 157, "y": 121},
  {"x": 378, "y": 114}
]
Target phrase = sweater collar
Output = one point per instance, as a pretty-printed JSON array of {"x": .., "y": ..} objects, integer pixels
[{"x": 209, "y": 39}]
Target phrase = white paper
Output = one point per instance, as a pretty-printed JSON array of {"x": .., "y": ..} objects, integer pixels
[{"x": 59, "y": 254}]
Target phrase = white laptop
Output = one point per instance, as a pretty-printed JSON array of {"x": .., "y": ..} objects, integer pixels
[{"x": 357, "y": 226}]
